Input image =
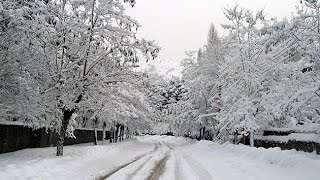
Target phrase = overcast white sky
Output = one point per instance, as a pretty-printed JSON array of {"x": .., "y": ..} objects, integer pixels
[{"x": 182, "y": 25}]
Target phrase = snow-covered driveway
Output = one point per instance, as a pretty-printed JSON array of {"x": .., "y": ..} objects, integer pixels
[{"x": 160, "y": 157}]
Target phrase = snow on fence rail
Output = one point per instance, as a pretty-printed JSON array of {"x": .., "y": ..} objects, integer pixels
[{"x": 15, "y": 136}]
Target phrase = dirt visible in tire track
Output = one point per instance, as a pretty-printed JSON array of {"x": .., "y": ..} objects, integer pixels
[{"x": 159, "y": 169}]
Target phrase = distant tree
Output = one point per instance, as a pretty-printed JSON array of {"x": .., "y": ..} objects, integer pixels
[
  {"x": 213, "y": 38},
  {"x": 201, "y": 77}
]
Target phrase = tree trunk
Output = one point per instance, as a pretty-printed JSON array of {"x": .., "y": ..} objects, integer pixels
[
  {"x": 95, "y": 135},
  {"x": 202, "y": 133},
  {"x": 67, "y": 113},
  {"x": 123, "y": 137},
  {"x": 128, "y": 133},
  {"x": 116, "y": 133},
  {"x": 111, "y": 134},
  {"x": 120, "y": 133}
]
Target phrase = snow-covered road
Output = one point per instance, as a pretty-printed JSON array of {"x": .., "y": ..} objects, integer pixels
[{"x": 161, "y": 157}]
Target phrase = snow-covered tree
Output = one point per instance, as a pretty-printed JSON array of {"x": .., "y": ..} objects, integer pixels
[
  {"x": 67, "y": 48},
  {"x": 264, "y": 73},
  {"x": 201, "y": 76},
  {"x": 295, "y": 95},
  {"x": 242, "y": 77}
]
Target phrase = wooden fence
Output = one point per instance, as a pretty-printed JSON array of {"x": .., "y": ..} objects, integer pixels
[{"x": 15, "y": 137}]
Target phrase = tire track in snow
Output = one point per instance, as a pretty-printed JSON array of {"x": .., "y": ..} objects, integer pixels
[
  {"x": 159, "y": 169},
  {"x": 169, "y": 145},
  {"x": 134, "y": 173},
  {"x": 177, "y": 171},
  {"x": 177, "y": 167},
  {"x": 184, "y": 167},
  {"x": 142, "y": 165},
  {"x": 152, "y": 166},
  {"x": 201, "y": 172},
  {"x": 115, "y": 170}
]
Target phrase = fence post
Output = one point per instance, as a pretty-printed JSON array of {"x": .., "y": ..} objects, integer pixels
[
  {"x": 235, "y": 137},
  {"x": 95, "y": 136},
  {"x": 252, "y": 138},
  {"x": 104, "y": 133}
]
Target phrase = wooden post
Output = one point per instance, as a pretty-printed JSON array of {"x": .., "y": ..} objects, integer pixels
[
  {"x": 95, "y": 136},
  {"x": 235, "y": 137},
  {"x": 252, "y": 138},
  {"x": 104, "y": 132}
]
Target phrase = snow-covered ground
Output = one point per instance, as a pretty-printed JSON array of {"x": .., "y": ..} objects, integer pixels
[{"x": 160, "y": 157}]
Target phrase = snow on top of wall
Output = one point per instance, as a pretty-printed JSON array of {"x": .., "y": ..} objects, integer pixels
[
  {"x": 307, "y": 128},
  {"x": 20, "y": 123},
  {"x": 88, "y": 129},
  {"x": 292, "y": 137},
  {"x": 4, "y": 122}
]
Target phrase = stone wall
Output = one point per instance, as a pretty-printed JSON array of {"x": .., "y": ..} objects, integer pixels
[{"x": 16, "y": 137}]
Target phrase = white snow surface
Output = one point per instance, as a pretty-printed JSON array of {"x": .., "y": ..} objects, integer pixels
[{"x": 161, "y": 157}]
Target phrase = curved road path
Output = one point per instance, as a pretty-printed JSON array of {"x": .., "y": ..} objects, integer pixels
[{"x": 160, "y": 163}]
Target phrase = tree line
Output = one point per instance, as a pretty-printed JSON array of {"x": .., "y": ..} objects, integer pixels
[{"x": 264, "y": 73}]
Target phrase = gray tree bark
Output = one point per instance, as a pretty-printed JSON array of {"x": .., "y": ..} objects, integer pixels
[{"x": 67, "y": 113}]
